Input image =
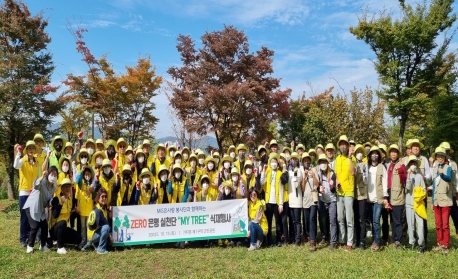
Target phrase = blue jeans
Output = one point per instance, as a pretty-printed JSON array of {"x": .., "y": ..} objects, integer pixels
[
  {"x": 256, "y": 232},
  {"x": 309, "y": 218},
  {"x": 100, "y": 236},
  {"x": 376, "y": 213},
  {"x": 24, "y": 226}
]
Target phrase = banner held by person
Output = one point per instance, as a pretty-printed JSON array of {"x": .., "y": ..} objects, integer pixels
[{"x": 159, "y": 223}]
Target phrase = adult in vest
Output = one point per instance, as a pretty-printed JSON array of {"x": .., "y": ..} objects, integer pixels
[
  {"x": 98, "y": 222},
  {"x": 40, "y": 154},
  {"x": 231, "y": 152},
  {"x": 28, "y": 172},
  {"x": 242, "y": 151},
  {"x": 414, "y": 181},
  {"x": 345, "y": 171},
  {"x": 453, "y": 182},
  {"x": 442, "y": 198},
  {"x": 273, "y": 181},
  {"x": 295, "y": 198},
  {"x": 360, "y": 197},
  {"x": 327, "y": 188},
  {"x": 309, "y": 189},
  {"x": 330, "y": 154},
  {"x": 52, "y": 158},
  {"x": 121, "y": 158},
  {"x": 416, "y": 146},
  {"x": 124, "y": 188},
  {"x": 158, "y": 159},
  {"x": 396, "y": 180},
  {"x": 273, "y": 146},
  {"x": 377, "y": 192}
]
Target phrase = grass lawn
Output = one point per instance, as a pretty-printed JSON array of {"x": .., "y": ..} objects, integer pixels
[{"x": 160, "y": 261}]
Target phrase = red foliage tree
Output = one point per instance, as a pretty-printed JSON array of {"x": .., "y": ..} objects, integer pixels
[{"x": 225, "y": 89}]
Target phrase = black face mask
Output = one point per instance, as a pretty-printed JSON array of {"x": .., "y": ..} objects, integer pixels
[
  {"x": 58, "y": 147},
  {"x": 264, "y": 158},
  {"x": 111, "y": 154},
  {"x": 127, "y": 178}
]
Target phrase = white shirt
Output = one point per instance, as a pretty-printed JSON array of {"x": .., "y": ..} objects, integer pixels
[
  {"x": 273, "y": 176},
  {"x": 372, "y": 180}
]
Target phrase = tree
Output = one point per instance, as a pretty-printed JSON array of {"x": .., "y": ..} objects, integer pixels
[
  {"x": 225, "y": 89},
  {"x": 323, "y": 118},
  {"x": 29, "y": 102},
  {"x": 74, "y": 119},
  {"x": 409, "y": 59},
  {"x": 126, "y": 223},
  {"x": 122, "y": 103},
  {"x": 117, "y": 227},
  {"x": 183, "y": 128}
]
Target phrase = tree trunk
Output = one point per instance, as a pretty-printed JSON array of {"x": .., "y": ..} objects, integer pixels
[
  {"x": 402, "y": 128},
  {"x": 10, "y": 170}
]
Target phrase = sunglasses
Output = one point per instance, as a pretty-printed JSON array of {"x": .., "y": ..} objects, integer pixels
[
  {"x": 121, "y": 146},
  {"x": 83, "y": 156}
]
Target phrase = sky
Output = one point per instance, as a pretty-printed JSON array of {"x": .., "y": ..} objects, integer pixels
[{"x": 314, "y": 49}]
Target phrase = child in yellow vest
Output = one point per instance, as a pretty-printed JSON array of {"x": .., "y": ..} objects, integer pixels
[{"x": 85, "y": 199}]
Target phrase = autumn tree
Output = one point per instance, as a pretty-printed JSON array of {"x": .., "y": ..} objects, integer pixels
[
  {"x": 324, "y": 117},
  {"x": 122, "y": 103},
  {"x": 74, "y": 119},
  {"x": 29, "y": 102},
  {"x": 225, "y": 89},
  {"x": 409, "y": 57}
]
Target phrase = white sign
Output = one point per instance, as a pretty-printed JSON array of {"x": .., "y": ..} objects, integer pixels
[{"x": 158, "y": 223}]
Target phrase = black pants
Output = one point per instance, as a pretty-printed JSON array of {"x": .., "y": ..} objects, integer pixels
[
  {"x": 64, "y": 234},
  {"x": 396, "y": 222},
  {"x": 386, "y": 224},
  {"x": 291, "y": 226},
  {"x": 34, "y": 227},
  {"x": 359, "y": 210},
  {"x": 281, "y": 223},
  {"x": 297, "y": 228},
  {"x": 323, "y": 220}
]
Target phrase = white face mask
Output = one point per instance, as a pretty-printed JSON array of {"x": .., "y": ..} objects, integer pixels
[
  {"x": 64, "y": 168},
  {"x": 227, "y": 192},
  {"x": 83, "y": 161},
  {"x": 192, "y": 163},
  {"x": 235, "y": 178},
  {"x": 185, "y": 156},
  {"x": 178, "y": 175},
  {"x": 52, "y": 178},
  {"x": 145, "y": 180},
  {"x": 359, "y": 156},
  {"x": 106, "y": 170},
  {"x": 413, "y": 168},
  {"x": 205, "y": 186},
  {"x": 287, "y": 157},
  {"x": 249, "y": 171},
  {"x": 210, "y": 166},
  {"x": 274, "y": 165},
  {"x": 178, "y": 161},
  {"x": 227, "y": 165},
  {"x": 98, "y": 161},
  {"x": 90, "y": 151},
  {"x": 232, "y": 154},
  {"x": 141, "y": 159},
  {"x": 323, "y": 166},
  {"x": 130, "y": 156},
  {"x": 163, "y": 177},
  {"x": 172, "y": 154},
  {"x": 201, "y": 161}
]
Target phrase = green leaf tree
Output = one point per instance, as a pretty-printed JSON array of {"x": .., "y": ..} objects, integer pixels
[
  {"x": 74, "y": 119},
  {"x": 117, "y": 226},
  {"x": 29, "y": 102},
  {"x": 126, "y": 223},
  {"x": 408, "y": 58}
]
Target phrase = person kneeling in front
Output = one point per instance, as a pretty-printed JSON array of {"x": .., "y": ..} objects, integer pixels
[{"x": 98, "y": 223}]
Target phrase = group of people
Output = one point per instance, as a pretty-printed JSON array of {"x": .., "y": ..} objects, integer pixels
[{"x": 66, "y": 195}]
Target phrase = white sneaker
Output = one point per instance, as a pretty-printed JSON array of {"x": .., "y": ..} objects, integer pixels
[
  {"x": 61, "y": 251},
  {"x": 44, "y": 248},
  {"x": 258, "y": 244},
  {"x": 369, "y": 234},
  {"x": 29, "y": 249},
  {"x": 252, "y": 247}
]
